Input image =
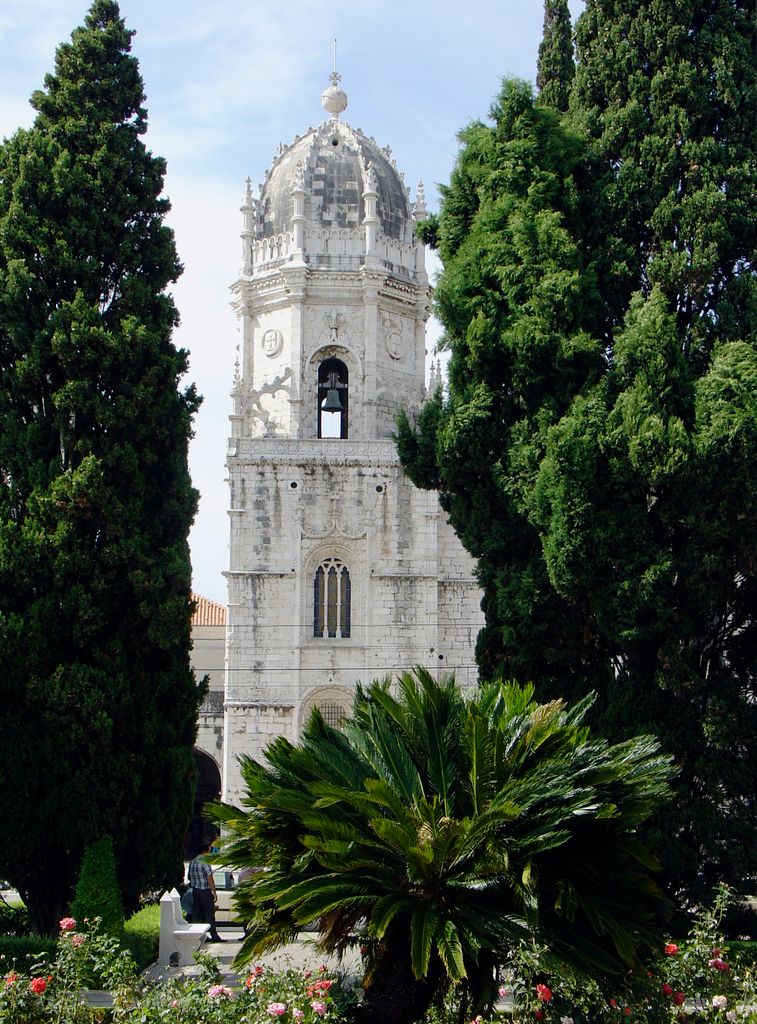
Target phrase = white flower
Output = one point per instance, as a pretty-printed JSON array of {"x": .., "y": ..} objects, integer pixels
[
  {"x": 731, "y": 1015},
  {"x": 566, "y": 1020},
  {"x": 719, "y": 1002}
]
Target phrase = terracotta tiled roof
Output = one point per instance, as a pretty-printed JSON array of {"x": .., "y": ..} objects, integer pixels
[{"x": 207, "y": 612}]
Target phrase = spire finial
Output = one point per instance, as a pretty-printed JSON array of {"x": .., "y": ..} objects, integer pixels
[{"x": 334, "y": 99}]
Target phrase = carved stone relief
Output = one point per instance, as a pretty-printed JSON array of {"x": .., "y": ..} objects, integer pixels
[{"x": 272, "y": 342}]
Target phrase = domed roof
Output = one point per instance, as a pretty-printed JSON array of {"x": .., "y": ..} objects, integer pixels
[{"x": 331, "y": 162}]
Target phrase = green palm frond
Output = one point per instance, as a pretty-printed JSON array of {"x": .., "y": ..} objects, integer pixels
[
  {"x": 385, "y": 910},
  {"x": 424, "y": 924},
  {"x": 450, "y": 951},
  {"x": 456, "y": 827}
]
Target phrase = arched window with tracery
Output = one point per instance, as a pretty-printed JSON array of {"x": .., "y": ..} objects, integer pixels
[
  {"x": 332, "y": 599},
  {"x": 333, "y": 398}
]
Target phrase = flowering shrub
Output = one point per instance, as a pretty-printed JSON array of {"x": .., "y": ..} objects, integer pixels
[
  {"x": 697, "y": 980},
  {"x": 52, "y": 990},
  {"x": 692, "y": 980},
  {"x": 54, "y": 993}
]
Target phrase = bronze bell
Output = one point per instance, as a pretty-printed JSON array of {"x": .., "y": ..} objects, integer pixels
[{"x": 333, "y": 402}]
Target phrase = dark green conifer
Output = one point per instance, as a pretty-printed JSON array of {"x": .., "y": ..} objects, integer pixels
[
  {"x": 556, "y": 67},
  {"x": 596, "y": 449},
  {"x": 98, "y": 700}
]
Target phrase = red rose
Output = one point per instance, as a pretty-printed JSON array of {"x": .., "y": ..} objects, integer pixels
[
  {"x": 627, "y": 1011},
  {"x": 543, "y": 993},
  {"x": 11, "y": 978},
  {"x": 539, "y": 1014},
  {"x": 38, "y": 985},
  {"x": 678, "y": 998},
  {"x": 667, "y": 990},
  {"x": 671, "y": 949},
  {"x": 613, "y": 1002}
]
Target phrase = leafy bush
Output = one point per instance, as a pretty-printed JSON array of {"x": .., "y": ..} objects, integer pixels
[
  {"x": 50, "y": 993},
  {"x": 14, "y": 919},
  {"x": 141, "y": 935},
  {"x": 17, "y": 951},
  {"x": 97, "y": 891},
  {"x": 697, "y": 979}
]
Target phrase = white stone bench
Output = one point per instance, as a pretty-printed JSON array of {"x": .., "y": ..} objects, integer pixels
[{"x": 178, "y": 939}]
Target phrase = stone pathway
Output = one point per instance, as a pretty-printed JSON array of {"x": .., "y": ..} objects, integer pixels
[{"x": 300, "y": 955}]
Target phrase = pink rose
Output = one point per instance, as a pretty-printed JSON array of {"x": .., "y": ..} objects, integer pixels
[
  {"x": 318, "y": 1007},
  {"x": 67, "y": 924},
  {"x": 277, "y": 1009},
  {"x": 543, "y": 993},
  {"x": 77, "y": 938},
  {"x": 219, "y": 992},
  {"x": 11, "y": 978},
  {"x": 38, "y": 985},
  {"x": 297, "y": 1013}
]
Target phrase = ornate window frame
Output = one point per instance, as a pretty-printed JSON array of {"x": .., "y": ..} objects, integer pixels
[{"x": 332, "y": 599}]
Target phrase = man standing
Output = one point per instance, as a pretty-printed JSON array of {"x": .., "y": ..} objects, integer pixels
[{"x": 204, "y": 898}]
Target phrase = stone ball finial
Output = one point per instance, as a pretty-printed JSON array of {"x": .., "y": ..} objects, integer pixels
[{"x": 334, "y": 99}]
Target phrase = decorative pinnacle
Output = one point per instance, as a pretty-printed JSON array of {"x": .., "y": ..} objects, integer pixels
[
  {"x": 334, "y": 99},
  {"x": 419, "y": 210}
]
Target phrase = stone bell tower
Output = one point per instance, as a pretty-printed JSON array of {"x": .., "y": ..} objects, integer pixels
[{"x": 341, "y": 571}]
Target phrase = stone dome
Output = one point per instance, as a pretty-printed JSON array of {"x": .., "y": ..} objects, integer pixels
[{"x": 331, "y": 162}]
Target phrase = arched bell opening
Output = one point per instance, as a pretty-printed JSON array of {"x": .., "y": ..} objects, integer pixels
[{"x": 333, "y": 398}]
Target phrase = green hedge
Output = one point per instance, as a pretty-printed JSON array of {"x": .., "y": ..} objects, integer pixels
[
  {"x": 97, "y": 892},
  {"x": 19, "y": 952},
  {"x": 141, "y": 935},
  {"x": 745, "y": 952}
]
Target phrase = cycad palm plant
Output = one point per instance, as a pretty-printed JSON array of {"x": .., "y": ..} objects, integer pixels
[{"x": 447, "y": 829}]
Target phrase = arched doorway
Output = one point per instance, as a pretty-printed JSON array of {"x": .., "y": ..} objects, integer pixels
[{"x": 207, "y": 789}]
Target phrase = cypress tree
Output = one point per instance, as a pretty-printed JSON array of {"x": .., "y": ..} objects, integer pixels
[
  {"x": 98, "y": 700},
  {"x": 612, "y": 509},
  {"x": 556, "y": 67}
]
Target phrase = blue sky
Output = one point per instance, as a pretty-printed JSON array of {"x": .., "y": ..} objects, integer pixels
[{"x": 225, "y": 83}]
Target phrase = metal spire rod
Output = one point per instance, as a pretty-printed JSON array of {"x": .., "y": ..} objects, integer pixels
[{"x": 335, "y": 56}]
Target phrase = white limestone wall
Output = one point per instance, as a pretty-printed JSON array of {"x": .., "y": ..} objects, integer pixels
[{"x": 413, "y": 599}]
